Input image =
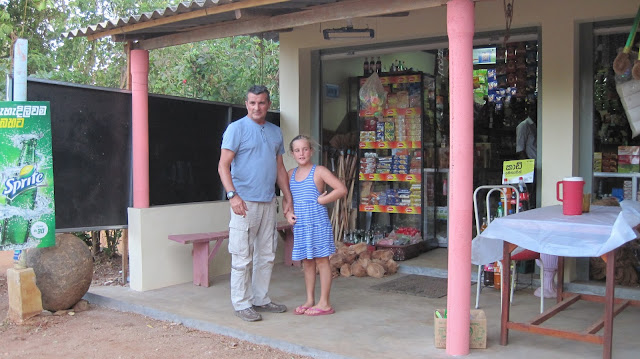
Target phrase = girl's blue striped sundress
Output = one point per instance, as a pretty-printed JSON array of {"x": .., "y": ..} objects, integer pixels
[{"x": 312, "y": 233}]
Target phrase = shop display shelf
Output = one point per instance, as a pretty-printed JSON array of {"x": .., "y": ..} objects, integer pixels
[
  {"x": 390, "y": 177},
  {"x": 390, "y": 209}
]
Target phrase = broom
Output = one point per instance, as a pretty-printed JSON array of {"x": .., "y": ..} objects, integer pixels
[{"x": 622, "y": 63}]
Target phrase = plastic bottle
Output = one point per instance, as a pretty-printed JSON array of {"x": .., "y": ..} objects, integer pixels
[
  {"x": 524, "y": 194},
  {"x": 16, "y": 229},
  {"x": 496, "y": 276},
  {"x": 365, "y": 67},
  {"x": 500, "y": 210},
  {"x": 488, "y": 274},
  {"x": 484, "y": 224},
  {"x": 378, "y": 65},
  {"x": 19, "y": 261}
]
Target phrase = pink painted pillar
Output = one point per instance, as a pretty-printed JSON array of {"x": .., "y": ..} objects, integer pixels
[
  {"x": 460, "y": 28},
  {"x": 140, "y": 126}
]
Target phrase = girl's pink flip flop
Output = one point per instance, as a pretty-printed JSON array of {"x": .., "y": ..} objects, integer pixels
[{"x": 312, "y": 312}]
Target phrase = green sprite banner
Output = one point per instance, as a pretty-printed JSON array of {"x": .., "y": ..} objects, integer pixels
[{"x": 27, "y": 210}]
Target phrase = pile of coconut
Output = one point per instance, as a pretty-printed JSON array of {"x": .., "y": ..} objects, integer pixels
[{"x": 358, "y": 261}]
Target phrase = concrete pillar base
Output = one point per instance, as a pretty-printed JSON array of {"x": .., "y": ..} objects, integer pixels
[{"x": 25, "y": 299}]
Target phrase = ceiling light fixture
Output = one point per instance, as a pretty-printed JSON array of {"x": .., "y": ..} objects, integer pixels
[{"x": 348, "y": 32}]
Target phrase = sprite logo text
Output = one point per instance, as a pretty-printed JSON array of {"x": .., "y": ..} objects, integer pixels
[{"x": 27, "y": 178}]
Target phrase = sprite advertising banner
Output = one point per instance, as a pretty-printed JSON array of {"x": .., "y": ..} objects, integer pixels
[{"x": 27, "y": 211}]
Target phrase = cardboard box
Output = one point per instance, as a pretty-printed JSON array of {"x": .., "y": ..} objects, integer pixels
[
  {"x": 628, "y": 163},
  {"x": 628, "y": 150},
  {"x": 609, "y": 162},
  {"x": 477, "y": 335},
  {"x": 597, "y": 162}
]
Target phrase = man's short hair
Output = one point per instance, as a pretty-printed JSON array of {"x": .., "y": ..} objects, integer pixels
[{"x": 257, "y": 90}]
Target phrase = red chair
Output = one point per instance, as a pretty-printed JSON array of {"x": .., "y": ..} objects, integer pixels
[{"x": 526, "y": 255}]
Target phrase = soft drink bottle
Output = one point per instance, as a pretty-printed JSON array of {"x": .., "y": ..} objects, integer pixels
[
  {"x": 496, "y": 276},
  {"x": 500, "y": 210},
  {"x": 21, "y": 192},
  {"x": 524, "y": 194},
  {"x": 488, "y": 274},
  {"x": 484, "y": 224}
]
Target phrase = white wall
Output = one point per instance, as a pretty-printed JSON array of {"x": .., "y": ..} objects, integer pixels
[
  {"x": 558, "y": 80},
  {"x": 156, "y": 261}
]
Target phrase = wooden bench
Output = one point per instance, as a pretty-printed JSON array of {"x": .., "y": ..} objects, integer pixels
[{"x": 202, "y": 255}]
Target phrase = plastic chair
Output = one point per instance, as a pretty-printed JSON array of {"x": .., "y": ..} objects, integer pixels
[{"x": 523, "y": 255}]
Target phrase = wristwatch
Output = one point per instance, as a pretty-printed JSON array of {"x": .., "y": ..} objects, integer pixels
[{"x": 231, "y": 194}]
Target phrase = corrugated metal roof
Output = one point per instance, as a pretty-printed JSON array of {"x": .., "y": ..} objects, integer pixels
[
  {"x": 192, "y": 15},
  {"x": 208, "y": 19}
]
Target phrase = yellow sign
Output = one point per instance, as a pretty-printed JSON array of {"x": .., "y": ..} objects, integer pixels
[{"x": 513, "y": 170}]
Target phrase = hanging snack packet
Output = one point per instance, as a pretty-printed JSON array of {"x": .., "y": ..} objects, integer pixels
[{"x": 373, "y": 96}]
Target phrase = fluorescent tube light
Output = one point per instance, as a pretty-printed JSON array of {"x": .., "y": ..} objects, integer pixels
[{"x": 348, "y": 32}]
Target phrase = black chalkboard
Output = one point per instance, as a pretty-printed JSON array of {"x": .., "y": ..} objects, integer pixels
[
  {"x": 91, "y": 136},
  {"x": 91, "y": 131},
  {"x": 184, "y": 148}
]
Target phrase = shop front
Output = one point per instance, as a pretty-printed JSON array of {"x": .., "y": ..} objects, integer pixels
[
  {"x": 402, "y": 191},
  {"x": 542, "y": 62}
]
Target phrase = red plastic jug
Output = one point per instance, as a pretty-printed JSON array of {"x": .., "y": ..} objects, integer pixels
[{"x": 572, "y": 188}]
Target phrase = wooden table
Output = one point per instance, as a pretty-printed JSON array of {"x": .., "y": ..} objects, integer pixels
[{"x": 546, "y": 230}]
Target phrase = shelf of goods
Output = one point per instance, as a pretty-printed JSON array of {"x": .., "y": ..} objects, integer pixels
[
  {"x": 390, "y": 186},
  {"x": 633, "y": 176}
]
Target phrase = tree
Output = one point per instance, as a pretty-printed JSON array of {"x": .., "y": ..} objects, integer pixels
[{"x": 217, "y": 70}]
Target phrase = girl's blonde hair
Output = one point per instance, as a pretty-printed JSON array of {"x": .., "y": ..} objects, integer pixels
[{"x": 312, "y": 143}]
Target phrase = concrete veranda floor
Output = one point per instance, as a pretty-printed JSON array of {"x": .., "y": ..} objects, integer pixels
[{"x": 369, "y": 323}]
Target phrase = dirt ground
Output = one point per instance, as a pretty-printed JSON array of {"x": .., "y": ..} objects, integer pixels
[{"x": 104, "y": 333}]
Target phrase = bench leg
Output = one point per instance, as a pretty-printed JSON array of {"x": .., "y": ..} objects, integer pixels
[{"x": 201, "y": 264}]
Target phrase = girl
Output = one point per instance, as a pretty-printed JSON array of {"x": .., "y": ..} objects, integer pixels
[{"x": 312, "y": 233}]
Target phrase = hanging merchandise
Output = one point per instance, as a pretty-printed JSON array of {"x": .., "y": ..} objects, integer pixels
[
  {"x": 628, "y": 80},
  {"x": 372, "y": 95},
  {"x": 623, "y": 62}
]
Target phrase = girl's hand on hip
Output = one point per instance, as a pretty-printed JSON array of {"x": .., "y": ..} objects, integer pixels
[{"x": 322, "y": 198}]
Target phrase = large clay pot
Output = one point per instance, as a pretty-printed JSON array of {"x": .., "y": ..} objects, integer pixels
[{"x": 63, "y": 272}]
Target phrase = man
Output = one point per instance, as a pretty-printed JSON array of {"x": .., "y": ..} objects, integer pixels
[
  {"x": 250, "y": 166},
  {"x": 526, "y": 137}
]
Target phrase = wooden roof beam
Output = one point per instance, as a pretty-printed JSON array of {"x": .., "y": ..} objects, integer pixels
[{"x": 323, "y": 13}]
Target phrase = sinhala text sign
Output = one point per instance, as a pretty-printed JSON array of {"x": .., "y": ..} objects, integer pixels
[
  {"x": 27, "y": 210},
  {"x": 513, "y": 170}
]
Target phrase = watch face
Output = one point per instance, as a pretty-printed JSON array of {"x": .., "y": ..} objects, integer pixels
[{"x": 230, "y": 194}]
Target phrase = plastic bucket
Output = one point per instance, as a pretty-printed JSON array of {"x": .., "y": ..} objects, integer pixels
[{"x": 572, "y": 188}]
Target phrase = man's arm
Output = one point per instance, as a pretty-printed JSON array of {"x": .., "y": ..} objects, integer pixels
[
  {"x": 283, "y": 182},
  {"x": 224, "y": 171}
]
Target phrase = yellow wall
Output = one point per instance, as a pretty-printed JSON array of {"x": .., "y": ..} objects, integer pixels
[{"x": 558, "y": 55}]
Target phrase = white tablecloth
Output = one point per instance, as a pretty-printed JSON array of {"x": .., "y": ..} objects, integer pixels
[{"x": 547, "y": 230}]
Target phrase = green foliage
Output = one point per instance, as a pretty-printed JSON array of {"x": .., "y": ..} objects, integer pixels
[
  {"x": 85, "y": 236},
  {"x": 216, "y": 70},
  {"x": 113, "y": 237}
]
